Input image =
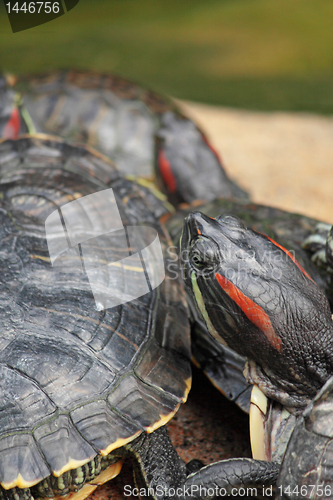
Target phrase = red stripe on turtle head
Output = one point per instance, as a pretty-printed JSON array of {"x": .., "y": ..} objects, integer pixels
[
  {"x": 13, "y": 125},
  {"x": 295, "y": 261},
  {"x": 213, "y": 150},
  {"x": 166, "y": 172},
  {"x": 252, "y": 311}
]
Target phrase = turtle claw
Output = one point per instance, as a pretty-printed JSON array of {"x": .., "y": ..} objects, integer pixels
[
  {"x": 318, "y": 239},
  {"x": 194, "y": 466},
  {"x": 320, "y": 244},
  {"x": 329, "y": 248},
  {"x": 319, "y": 258}
]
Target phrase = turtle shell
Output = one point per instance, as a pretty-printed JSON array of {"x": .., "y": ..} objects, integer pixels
[
  {"x": 78, "y": 378},
  {"x": 307, "y": 465},
  {"x": 143, "y": 132},
  {"x": 114, "y": 115}
]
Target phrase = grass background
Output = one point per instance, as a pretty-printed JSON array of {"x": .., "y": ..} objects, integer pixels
[{"x": 255, "y": 54}]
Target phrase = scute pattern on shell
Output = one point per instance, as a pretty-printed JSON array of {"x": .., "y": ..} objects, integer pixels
[
  {"x": 74, "y": 380},
  {"x": 114, "y": 115}
]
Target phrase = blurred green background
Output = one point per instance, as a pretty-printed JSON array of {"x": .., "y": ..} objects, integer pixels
[{"x": 255, "y": 54}]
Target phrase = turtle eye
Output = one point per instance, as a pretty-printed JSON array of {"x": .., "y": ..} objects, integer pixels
[{"x": 204, "y": 253}]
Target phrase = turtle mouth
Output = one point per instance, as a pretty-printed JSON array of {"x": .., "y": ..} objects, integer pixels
[
  {"x": 189, "y": 232},
  {"x": 271, "y": 426}
]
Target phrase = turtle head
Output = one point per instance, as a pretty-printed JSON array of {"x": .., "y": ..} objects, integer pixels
[
  {"x": 181, "y": 152},
  {"x": 255, "y": 296}
]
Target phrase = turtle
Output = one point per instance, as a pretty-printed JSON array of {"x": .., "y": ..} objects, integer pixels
[
  {"x": 255, "y": 296},
  {"x": 84, "y": 383},
  {"x": 88, "y": 107},
  {"x": 230, "y": 379},
  {"x": 145, "y": 133},
  {"x": 223, "y": 366},
  {"x": 50, "y": 92}
]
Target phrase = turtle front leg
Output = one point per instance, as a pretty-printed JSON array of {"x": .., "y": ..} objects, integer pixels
[
  {"x": 158, "y": 469},
  {"x": 161, "y": 474}
]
